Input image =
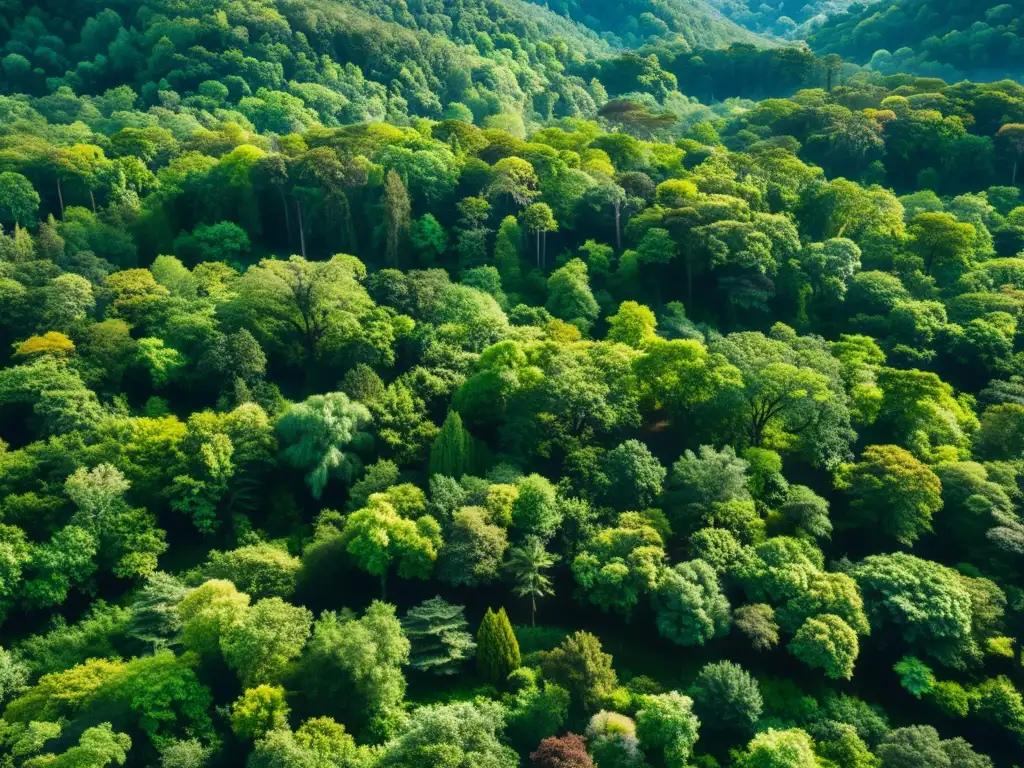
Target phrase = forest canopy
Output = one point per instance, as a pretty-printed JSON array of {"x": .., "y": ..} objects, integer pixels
[{"x": 482, "y": 385}]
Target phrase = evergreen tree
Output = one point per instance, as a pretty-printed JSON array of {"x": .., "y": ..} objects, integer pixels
[
  {"x": 398, "y": 217},
  {"x": 437, "y": 631},
  {"x": 155, "y": 618},
  {"x": 497, "y": 653},
  {"x": 451, "y": 452}
]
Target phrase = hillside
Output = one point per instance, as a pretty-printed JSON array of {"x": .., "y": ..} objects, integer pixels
[
  {"x": 783, "y": 19},
  {"x": 951, "y": 39},
  {"x": 442, "y": 384},
  {"x": 634, "y": 23}
]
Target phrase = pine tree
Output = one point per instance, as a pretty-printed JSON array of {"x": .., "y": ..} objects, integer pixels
[
  {"x": 450, "y": 453},
  {"x": 497, "y": 653},
  {"x": 437, "y": 631}
]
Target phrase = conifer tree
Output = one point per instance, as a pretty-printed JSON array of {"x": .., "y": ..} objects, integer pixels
[
  {"x": 497, "y": 653},
  {"x": 450, "y": 453},
  {"x": 437, "y": 631}
]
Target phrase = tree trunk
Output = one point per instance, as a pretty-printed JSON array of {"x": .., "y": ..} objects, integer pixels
[
  {"x": 618, "y": 226},
  {"x": 92, "y": 197},
  {"x": 544, "y": 252},
  {"x": 287, "y": 218},
  {"x": 689, "y": 282},
  {"x": 538, "y": 249},
  {"x": 302, "y": 229},
  {"x": 60, "y": 198},
  {"x": 533, "y": 610}
]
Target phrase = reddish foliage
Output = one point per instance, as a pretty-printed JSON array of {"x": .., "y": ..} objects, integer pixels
[{"x": 569, "y": 751}]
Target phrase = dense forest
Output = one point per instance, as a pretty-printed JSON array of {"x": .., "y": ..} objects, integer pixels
[
  {"x": 951, "y": 39},
  {"x": 477, "y": 384}
]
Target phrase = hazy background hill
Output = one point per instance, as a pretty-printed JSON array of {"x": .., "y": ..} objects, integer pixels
[{"x": 952, "y": 39}]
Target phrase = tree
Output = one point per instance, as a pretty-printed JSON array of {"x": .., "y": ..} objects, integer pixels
[
  {"x": 634, "y": 324},
  {"x": 497, "y": 652},
  {"x": 514, "y": 179},
  {"x": 916, "y": 677},
  {"x": 666, "y": 726},
  {"x": 791, "y": 393},
  {"x": 927, "y": 603},
  {"x": 377, "y": 539},
  {"x": 568, "y": 751},
  {"x": 313, "y": 434},
  {"x": 757, "y": 622},
  {"x": 807, "y": 512},
  {"x": 301, "y": 309},
  {"x": 353, "y": 667},
  {"x": 14, "y": 676},
  {"x": 569, "y": 294},
  {"x": 619, "y": 565},
  {"x": 397, "y": 217},
  {"x": 914, "y": 747},
  {"x": 259, "y": 710},
  {"x": 792, "y": 748},
  {"x": 474, "y": 548},
  {"x": 635, "y": 476},
  {"x": 19, "y": 201},
  {"x": 429, "y": 239},
  {"x": 539, "y": 219},
  {"x": 828, "y": 643},
  {"x": 259, "y": 570},
  {"x": 155, "y": 618},
  {"x": 535, "y": 509},
  {"x": 892, "y": 492},
  {"x": 727, "y": 698},
  {"x": 452, "y": 450},
  {"x": 437, "y": 633},
  {"x": 1013, "y": 135},
  {"x": 581, "y": 667},
  {"x": 689, "y": 605},
  {"x": 97, "y": 747},
  {"x": 460, "y": 734},
  {"x": 526, "y": 566},
  {"x": 208, "y": 612},
  {"x": 613, "y": 740},
  {"x": 534, "y": 710},
  {"x": 944, "y": 244},
  {"x": 270, "y": 634},
  {"x": 129, "y": 540}
]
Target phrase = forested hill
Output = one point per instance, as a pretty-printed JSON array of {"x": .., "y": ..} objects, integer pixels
[
  {"x": 444, "y": 385},
  {"x": 632, "y": 23},
  {"x": 952, "y": 39},
  {"x": 793, "y": 18}
]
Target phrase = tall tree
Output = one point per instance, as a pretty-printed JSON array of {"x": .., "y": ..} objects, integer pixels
[
  {"x": 526, "y": 566},
  {"x": 451, "y": 451},
  {"x": 397, "y": 218},
  {"x": 437, "y": 633},
  {"x": 497, "y": 652}
]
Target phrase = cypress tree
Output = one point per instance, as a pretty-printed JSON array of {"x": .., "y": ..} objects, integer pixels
[
  {"x": 451, "y": 451},
  {"x": 497, "y": 653}
]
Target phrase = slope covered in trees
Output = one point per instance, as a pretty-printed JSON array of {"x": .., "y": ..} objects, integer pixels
[
  {"x": 362, "y": 407},
  {"x": 952, "y": 39}
]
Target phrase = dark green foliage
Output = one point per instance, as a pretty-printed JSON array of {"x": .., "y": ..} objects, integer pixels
[
  {"x": 264, "y": 267},
  {"x": 451, "y": 453},
  {"x": 497, "y": 651},
  {"x": 726, "y": 697},
  {"x": 437, "y": 632}
]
